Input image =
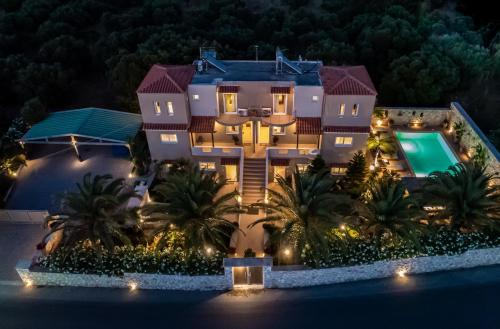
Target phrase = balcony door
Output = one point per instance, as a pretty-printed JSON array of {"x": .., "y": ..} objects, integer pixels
[
  {"x": 263, "y": 133},
  {"x": 247, "y": 133}
]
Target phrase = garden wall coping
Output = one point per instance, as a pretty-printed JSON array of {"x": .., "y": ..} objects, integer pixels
[{"x": 380, "y": 269}]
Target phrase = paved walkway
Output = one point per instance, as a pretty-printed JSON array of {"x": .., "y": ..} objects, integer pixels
[{"x": 252, "y": 237}]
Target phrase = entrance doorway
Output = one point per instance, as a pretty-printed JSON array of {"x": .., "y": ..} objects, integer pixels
[
  {"x": 263, "y": 135},
  {"x": 247, "y": 133},
  {"x": 247, "y": 276}
]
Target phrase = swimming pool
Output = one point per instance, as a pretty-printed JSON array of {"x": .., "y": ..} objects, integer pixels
[{"x": 426, "y": 152}]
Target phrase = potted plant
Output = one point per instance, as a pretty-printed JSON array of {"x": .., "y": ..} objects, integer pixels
[
  {"x": 275, "y": 140},
  {"x": 236, "y": 139},
  {"x": 199, "y": 139}
]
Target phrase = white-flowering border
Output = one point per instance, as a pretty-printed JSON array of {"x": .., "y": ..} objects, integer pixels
[
  {"x": 128, "y": 280},
  {"x": 380, "y": 269}
]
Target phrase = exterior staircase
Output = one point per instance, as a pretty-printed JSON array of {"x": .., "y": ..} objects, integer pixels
[{"x": 254, "y": 176}]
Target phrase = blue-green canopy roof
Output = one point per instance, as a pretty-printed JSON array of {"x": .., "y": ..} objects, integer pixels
[{"x": 101, "y": 124}]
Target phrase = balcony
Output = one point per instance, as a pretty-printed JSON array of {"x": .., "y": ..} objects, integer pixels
[
  {"x": 291, "y": 151},
  {"x": 218, "y": 150}
]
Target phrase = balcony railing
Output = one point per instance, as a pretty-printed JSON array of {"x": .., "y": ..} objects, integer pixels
[
  {"x": 292, "y": 152},
  {"x": 222, "y": 151}
]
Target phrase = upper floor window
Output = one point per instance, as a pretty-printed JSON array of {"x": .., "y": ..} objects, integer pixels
[
  {"x": 302, "y": 167},
  {"x": 229, "y": 103},
  {"x": 342, "y": 109},
  {"x": 315, "y": 98},
  {"x": 338, "y": 170},
  {"x": 157, "y": 108},
  {"x": 168, "y": 138},
  {"x": 232, "y": 130},
  {"x": 343, "y": 141},
  {"x": 278, "y": 130},
  {"x": 206, "y": 165},
  {"x": 355, "y": 110},
  {"x": 280, "y": 103},
  {"x": 170, "y": 108},
  {"x": 196, "y": 97}
]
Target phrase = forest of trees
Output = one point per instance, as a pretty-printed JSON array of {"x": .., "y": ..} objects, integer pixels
[{"x": 57, "y": 54}]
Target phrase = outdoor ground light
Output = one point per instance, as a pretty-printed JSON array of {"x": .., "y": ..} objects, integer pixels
[
  {"x": 287, "y": 252},
  {"x": 28, "y": 282},
  {"x": 379, "y": 122},
  {"x": 401, "y": 273},
  {"x": 342, "y": 227},
  {"x": 131, "y": 175},
  {"x": 208, "y": 250},
  {"x": 372, "y": 167},
  {"x": 132, "y": 286}
]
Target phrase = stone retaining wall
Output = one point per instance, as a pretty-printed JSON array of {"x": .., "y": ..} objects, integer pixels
[
  {"x": 381, "y": 269},
  {"x": 141, "y": 280}
]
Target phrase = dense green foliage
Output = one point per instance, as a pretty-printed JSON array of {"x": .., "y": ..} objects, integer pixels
[
  {"x": 95, "y": 52},
  {"x": 96, "y": 212},
  {"x": 84, "y": 258}
]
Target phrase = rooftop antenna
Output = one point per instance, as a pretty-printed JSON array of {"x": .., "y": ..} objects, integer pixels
[{"x": 256, "y": 53}]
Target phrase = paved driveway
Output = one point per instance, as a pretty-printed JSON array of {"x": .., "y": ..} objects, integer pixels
[
  {"x": 53, "y": 170},
  {"x": 17, "y": 241}
]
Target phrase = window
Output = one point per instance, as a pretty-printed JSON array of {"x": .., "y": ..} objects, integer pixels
[
  {"x": 231, "y": 173},
  {"x": 279, "y": 171},
  {"x": 280, "y": 103},
  {"x": 170, "y": 108},
  {"x": 229, "y": 103},
  {"x": 355, "y": 110},
  {"x": 207, "y": 165},
  {"x": 302, "y": 167},
  {"x": 196, "y": 97},
  {"x": 347, "y": 141},
  {"x": 342, "y": 110},
  {"x": 157, "y": 108},
  {"x": 232, "y": 130},
  {"x": 315, "y": 98},
  {"x": 338, "y": 170},
  {"x": 168, "y": 138},
  {"x": 278, "y": 130}
]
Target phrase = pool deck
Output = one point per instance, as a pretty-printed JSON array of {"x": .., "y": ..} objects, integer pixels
[{"x": 391, "y": 130}]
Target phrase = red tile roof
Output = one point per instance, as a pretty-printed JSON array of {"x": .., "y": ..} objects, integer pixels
[
  {"x": 229, "y": 161},
  {"x": 346, "y": 129},
  {"x": 308, "y": 126},
  {"x": 228, "y": 89},
  {"x": 164, "y": 126},
  {"x": 200, "y": 124},
  {"x": 166, "y": 79},
  {"x": 280, "y": 162},
  {"x": 346, "y": 80},
  {"x": 280, "y": 90}
]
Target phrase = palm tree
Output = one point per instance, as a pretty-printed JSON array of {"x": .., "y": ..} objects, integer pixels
[
  {"x": 389, "y": 211},
  {"x": 97, "y": 212},
  {"x": 305, "y": 208},
  {"x": 469, "y": 196},
  {"x": 379, "y": 144},
  {"x": 190, "y": 203}
]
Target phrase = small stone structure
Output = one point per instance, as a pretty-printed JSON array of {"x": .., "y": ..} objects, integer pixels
[{"x": 381, "y": 269}]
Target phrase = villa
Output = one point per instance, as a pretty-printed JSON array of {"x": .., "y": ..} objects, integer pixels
[{"x": 250, "y": 120}]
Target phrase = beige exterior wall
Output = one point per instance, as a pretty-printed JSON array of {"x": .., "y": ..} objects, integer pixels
[
  {"x": 304, "y": 104},
  {"x": 160, "y": 151},
  {"x": 256, "y": 94},
  {"x": 179, "y": 103},
  {"x": 341, "y": 154},
  {"x": 206, "y": 104},
  {"x": 331, "y": 115}
]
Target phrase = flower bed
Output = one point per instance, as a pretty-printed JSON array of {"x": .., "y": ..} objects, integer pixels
[
  {"x": 85, "y": 259},
  {"x": 357, "y": 251}
]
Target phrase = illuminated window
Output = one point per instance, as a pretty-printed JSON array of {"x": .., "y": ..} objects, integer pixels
[
  {"x": 355, "y": 110},
  {"x": 302, "y": 167},
  {"x": 232, "y": 130},
  {"x": 157, "y": 108},
  {"x": 170, "y": 108},
  {"x": 168, "y": 138},
  {"x": 229, "y": 103},
  {"x": 338, "y": 170},
  {"x": 196, "y": 97},
  {"x": 347, "y": 141},
  {"x": 315, "y": 98},
  {"x": 280, "y": 103},
  {"x": 279, "y": 171},
  {"x": 207, "y": 165},
  {"x": 342, "y": 109},
  {"x": 278, "y": 130}
]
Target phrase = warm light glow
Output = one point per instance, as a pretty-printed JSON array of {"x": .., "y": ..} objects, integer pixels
[
  {"x": 141, "y": 220},
  {"x": 379, "y": 123},
  {"x": 132, "y": 286},
  {"x": 172, "y": 226},
  {"x": 14, "y": 174},
  {"x": 263, "y": 254},
  {"x": 372, "y": 167},
  {"x": 401, "y": 273},
  {"x": 342, "y": 227},
  {"x": 238, "y": 198},
  {"x": 28, "y": 282},
  {"x": 208, "y": 250},
  {"x": 131, "y": 175},
  {"x": 287, "y": 252}
]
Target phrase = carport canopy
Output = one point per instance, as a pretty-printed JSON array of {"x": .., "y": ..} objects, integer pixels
[{"x": 87, "y": 126}]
